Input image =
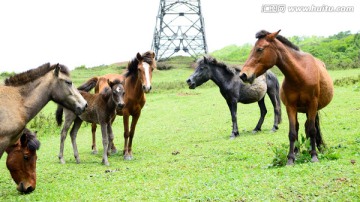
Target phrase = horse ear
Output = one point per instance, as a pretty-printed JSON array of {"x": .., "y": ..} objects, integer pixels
[
  {"x": 23, "y": 140},
  {"x": 139, "y": 57},
  {"x": 272, "y": 36},
  {"x": 205, "y": 60},
  {"x": 57, "y": 70},
  {"x": 153, "y": 55},
  {"x": 110, "y": 83}
]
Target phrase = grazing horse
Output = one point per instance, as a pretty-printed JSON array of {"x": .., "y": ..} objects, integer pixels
[
  {"x": 234, "y": 90},
  {"x": 307, "y": 86},
  {"x": 25, "y": 94},
  {"x": 137, "y": 83},
  {"x": 21, "y": 161},
  {"x": 101, "y": 110}
]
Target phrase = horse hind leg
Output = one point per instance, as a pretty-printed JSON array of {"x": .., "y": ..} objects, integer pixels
[
  {"x": 319, "y": 140},
  {"x": 263, "y": 112},
  {"x": 312, "y": 133},
  {"x": 275, "y": 101}
]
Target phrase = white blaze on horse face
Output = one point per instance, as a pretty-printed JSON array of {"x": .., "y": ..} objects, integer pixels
[{"x": 147, "y": 75}]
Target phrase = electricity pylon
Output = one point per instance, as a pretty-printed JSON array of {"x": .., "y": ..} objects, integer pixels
[{"x": 179, "y": 28}]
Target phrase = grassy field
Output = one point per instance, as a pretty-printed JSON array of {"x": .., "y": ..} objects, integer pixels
[{"x": 182, "y": 151}]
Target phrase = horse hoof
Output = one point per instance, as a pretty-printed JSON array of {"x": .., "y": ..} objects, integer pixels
[
  {"x": 314, "y": 159},
  {"x": 114, "y": 151},
  {"x": 105, "y": 163},
  {"x": 94, "y": 152},
  {"x": 128, "y": 158},
  {"x": 254, "y": 131},
  {"x": 290, "y": 162},
  {"x": 232, "y": 137},
  {"x": 62, "y": 161}
]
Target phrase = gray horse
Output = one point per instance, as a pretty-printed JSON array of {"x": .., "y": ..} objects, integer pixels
[{"x": 234, "y": 90}]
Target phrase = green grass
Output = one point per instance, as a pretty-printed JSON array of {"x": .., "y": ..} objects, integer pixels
[{"x": 182, "y": 152}]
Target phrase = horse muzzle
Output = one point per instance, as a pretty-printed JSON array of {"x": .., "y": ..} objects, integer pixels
[
  {"x": 146, "y": 89},
  {"x": 245, "y": 78},
  {"x": 191, "y": 84},
  {"x": 23, "y": 188},
  {"x": 80, "y": 109}
]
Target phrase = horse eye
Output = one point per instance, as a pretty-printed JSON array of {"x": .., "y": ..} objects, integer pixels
[
  {"x": 68, "y": 83},
  {"x": 26, "y": 157},
  {"x": 259, "y": 49}
]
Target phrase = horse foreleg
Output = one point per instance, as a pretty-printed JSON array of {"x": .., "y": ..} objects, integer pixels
[
  {"x": 263, "y": 112},
  {"x": 293, "y": 134},
  {"x": 233, "y": 111},
  {"x": 73, "y": 134},
  {"x": 63, "y": 135},
  {"x": 105, "y": 141},
  {"x": 93, "y": 131},
  {"x": 134, "y": 121},
  {"x": 126, "y": 135}
]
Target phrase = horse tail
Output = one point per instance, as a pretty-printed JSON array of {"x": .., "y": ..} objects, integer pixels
[
  {"x": 271, "y": 77},
  {"x": 90, "y": 84},
  {"x": 59, "y": 114},
  {"x": 319, "y": 140}
]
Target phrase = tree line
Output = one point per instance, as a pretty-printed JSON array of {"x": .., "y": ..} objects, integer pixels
[{"x": 339, "y": 51}]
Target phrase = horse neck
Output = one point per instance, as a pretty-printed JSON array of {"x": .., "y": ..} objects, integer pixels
[
  {"x": 288, "y": 64},
  {"x": 35, "y": 95},
  {"x": 220, "y": 77},
  {"x": 133, "y": 84}
]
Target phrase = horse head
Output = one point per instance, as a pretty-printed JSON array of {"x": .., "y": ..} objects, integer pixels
[
  {"x": 145, "y": 69},
  {"x": 65, "y": 93},
  {"x": 262, "y": 57},
  {"x": 21, "y": 161},
  {"x": 118, "y": 92},
  {"x": 202, "y": 72}
]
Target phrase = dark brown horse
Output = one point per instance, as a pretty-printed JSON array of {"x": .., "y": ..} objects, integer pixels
[
  {"x": 138, "y": 82},
  {"x": 307, "y": 86},
  {"x": 25, "y": 94},
  {"x": 101, "y": 110},
  {"x": 234, "y": 90},
  {"x": 21, "y": 161}
]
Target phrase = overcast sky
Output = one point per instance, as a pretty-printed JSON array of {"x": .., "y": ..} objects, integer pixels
[{"x": 91, "y": 33}]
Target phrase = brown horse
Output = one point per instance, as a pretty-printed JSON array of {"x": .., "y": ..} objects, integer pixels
[
  {"x": 307, "y": 86},
  {"x": 101, "y": 110},
  {"x": 25, "y": 94},
  {"x": 21, "y": 161},
  {"x": 137, "y": 83}
]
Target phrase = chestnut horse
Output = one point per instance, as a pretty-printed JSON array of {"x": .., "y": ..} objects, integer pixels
[
  {"x": 101, "y": 110},
  {"x": 137, "y": 83},
  {"x": 25, "y": 94},
  {"x": 307, "y": 86},
  {"x": 21, "y": 161}
]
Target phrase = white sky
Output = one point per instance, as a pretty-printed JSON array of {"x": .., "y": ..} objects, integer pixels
[{"x": 91, "y": 33}]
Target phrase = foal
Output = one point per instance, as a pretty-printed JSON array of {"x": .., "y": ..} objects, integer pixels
[
  {"x": 101, "y": 110},
  {"x": 21, "y": 161}
]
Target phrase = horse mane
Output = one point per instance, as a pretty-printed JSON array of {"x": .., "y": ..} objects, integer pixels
[
  {"x": 212, "y": 61},
  {"x": 285, "y": 41},
  {"x": 33, "y": 74},
  {"x": 32, "y": 142},
  {"x": 149, "y": 57},
  {"x": 132, "y": 67}
]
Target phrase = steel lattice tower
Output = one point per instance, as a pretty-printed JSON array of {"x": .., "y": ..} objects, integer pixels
[{"x": 179, "y": 27}]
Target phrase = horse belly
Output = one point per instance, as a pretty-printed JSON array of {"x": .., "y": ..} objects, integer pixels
[
  {"x": 326, "y": 89},
  {"x": 250, "y": 93}
]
